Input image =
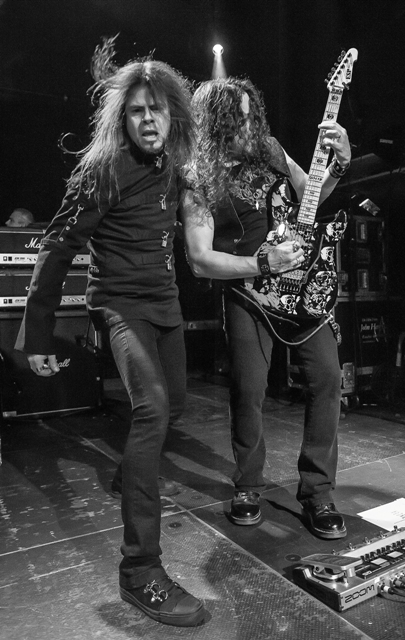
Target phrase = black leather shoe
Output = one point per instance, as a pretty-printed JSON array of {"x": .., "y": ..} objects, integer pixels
[
  {"x": 165, "y": 601},
  {"x": 166, "y": 487},
  {"x": 324, "y": 521},
  {"x": 245, "y": 508}
]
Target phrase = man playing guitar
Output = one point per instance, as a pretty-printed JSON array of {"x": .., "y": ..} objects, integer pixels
[{"x": 240, "y": 188}]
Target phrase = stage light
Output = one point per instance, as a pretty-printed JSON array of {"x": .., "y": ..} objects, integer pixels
[{"x": 218, "y": 68}]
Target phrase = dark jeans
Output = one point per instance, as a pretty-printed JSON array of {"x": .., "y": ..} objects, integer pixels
[
  {"x": 152, "y": 364},
  {"x": 250, "y": 344}
]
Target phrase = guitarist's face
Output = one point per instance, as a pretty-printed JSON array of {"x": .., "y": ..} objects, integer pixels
[{"x": 242, "y": 143}]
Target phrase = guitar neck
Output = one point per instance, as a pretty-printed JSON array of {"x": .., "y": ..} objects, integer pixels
[{"x": 310, "y": 200}]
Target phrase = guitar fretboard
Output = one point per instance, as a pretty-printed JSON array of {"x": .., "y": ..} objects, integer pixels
[
  {"x": 310, "y": 200},
  {"x": 291, "y": 281}
]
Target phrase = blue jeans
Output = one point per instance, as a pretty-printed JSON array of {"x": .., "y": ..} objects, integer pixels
[
  {"x": 151, "y": 361},
  {"x": 250, "y": 344}
]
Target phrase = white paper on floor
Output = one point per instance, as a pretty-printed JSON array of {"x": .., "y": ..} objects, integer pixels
[{"x": 387, "y": 516}]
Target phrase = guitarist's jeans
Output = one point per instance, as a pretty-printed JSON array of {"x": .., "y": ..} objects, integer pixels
[{"x": 250, "y": 344}]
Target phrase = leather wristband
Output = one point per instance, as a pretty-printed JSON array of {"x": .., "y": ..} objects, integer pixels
[
  {"x": 263, "y": 265},
  {"x": 336, "y": 170}
]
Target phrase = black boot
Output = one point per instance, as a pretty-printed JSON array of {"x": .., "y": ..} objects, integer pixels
[
  {"x": 324, "y": 521},
  {"x": 245, "y": 508}
]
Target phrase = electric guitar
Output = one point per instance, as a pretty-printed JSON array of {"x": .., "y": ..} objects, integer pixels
[{"x": 311, "y": 290}]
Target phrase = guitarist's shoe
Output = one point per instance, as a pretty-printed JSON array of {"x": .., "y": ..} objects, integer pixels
[
  {"x": 324, "y": 521},
  {"x": 166, "y": 601},
  {"x": 245, "y": 508}
]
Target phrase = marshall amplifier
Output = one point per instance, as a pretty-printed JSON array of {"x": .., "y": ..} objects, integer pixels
[
  {"x": 19, "y": 247},
  {"x": 14, "y": 285},
  {"x": 75, "y": 387}
]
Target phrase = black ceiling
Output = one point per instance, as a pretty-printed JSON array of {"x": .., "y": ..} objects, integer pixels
[{"x": 286, "y": 46}]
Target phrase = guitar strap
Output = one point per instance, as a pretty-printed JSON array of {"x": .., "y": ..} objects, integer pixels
[{"x": 291, "y": 196}]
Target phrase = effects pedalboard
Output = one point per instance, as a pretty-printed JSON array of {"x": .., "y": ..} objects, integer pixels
[{"x": 346, "y": 578}]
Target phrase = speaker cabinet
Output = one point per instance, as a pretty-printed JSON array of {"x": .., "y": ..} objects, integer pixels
[
  {"x": 366, "y": 327},
  {"x": 369, "y": 330},
  {"x": 75, "y": 387},
  {"x": 361, "y": 261}
]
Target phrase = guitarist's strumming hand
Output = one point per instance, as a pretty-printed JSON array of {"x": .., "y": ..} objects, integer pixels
[{"x": 285, "y": 256}]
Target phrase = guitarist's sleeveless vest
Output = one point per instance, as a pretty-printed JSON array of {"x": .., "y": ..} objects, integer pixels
[{"x": 242, "y": 219}]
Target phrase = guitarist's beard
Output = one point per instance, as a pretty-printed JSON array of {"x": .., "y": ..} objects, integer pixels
[
  {"x": 243, "y": 146},
  {"x": 242, "y": 153}
]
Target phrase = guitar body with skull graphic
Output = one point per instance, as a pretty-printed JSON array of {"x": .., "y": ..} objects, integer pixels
[
  {"x": 314, "y": 295},
  {"x": 309, "y": 291}
]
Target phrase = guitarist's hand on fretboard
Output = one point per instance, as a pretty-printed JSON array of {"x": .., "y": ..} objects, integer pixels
[
  {"x": 285, "y": 256},
  {"x": 334, "y": 136}
]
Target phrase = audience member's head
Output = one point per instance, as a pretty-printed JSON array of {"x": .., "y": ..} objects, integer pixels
[{"x": 20, "y": 218}]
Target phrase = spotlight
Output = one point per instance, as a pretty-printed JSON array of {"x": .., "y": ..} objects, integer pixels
[
  {"x": 217, "y": 49},
  {"x": 218, "y": 67}
]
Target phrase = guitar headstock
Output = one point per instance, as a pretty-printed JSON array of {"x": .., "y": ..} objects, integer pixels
[{"x": 341, "y": 73}]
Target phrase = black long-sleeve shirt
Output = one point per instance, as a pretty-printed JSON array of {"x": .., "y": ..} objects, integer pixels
[{"x": 130, "y": 238}]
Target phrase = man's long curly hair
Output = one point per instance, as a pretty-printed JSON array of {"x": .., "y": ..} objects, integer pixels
[
  {"x": 219, "y": 117},
  {"x": 98, "y": 161}
]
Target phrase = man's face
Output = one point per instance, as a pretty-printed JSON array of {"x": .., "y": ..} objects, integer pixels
[
  {"x": 241, "y": 142},
  {"x": 148, "y": 123},
  {"x": 17, "y": 219}
]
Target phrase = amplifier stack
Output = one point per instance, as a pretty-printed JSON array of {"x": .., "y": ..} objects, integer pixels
[
  {"x": 18, "y": 255},
  {"x": 77, "y": 385}
]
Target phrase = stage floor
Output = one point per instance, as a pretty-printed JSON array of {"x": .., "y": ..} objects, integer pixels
[{"x": 61, "y": 529}]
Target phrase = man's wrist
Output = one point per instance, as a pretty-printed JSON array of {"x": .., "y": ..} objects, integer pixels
[
  {"x": 338, "y": 169},
  {"x": 263, "y": 265}
]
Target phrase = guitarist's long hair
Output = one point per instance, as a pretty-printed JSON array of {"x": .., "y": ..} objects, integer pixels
[
  {"x": 219, "y": 117},
  {"x": 97, "y": 167}
]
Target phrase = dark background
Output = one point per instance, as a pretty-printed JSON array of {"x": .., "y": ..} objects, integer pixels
[{"x": 286, "y": 47}]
